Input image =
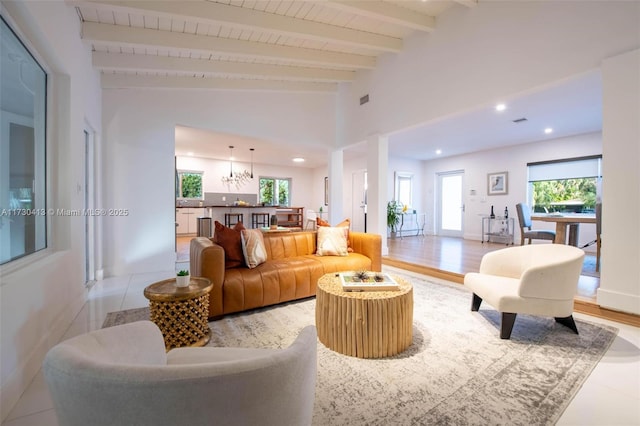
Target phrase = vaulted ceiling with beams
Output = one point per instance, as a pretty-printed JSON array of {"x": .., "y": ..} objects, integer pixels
[{"x": 244, "y": 44}]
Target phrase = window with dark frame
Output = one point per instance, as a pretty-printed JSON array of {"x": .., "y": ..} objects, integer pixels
[{"x": 23, "y": 111}]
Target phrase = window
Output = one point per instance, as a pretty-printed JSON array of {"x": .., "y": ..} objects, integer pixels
[
  {"x": 571, "y": 185},
  {"x": 23, "y": 209},
  {"x": 275, "y": 191},
  {"x": 189, "y": 184},
  {"x": 404, "y": 188}
]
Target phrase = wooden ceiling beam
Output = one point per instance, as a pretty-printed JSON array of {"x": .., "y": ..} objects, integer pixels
[
  {"x": 148, "y": 63},
  {"x": 216, "y": 13},
  {"x": 386, "y": 12},
  {"x": 129, "y": 81},
  {"x": 141, "y": 37}
]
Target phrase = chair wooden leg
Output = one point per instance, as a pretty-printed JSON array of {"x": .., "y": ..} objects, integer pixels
[
  {"x": 475, "y": 302},
  {"x": 508, "y": 319},
  {"x": 568, "y": 322}
]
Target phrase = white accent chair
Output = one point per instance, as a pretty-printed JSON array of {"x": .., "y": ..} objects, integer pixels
[
  {"x": 537, "y": 279},
  {"x": 122, "y": 376}
]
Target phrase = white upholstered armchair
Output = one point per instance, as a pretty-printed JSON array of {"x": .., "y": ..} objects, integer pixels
[
  {"x": 537, "y": 279},
  {"x": 122, "y": 376}
]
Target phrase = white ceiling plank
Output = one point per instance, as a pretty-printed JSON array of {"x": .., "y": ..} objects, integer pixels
[
  {"x": 387, "y": 12},
  {"x": 123, "y": 81},
  {"x": 468, "y": 3},
  {"x": 127, "y": 36},
  {"x": 120, "y": 62},
  {"x": 209, "y": 12}
]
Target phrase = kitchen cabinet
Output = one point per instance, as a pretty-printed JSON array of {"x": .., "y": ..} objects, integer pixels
[{"x": 187, "y": 220}]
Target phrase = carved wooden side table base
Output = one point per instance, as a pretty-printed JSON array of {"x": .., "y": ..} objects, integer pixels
[
  {"x": 181, "y": 313},
  {"x": 369, "y": 324}
]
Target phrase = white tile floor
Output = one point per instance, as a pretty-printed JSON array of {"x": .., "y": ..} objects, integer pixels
[{"x": 610, "y": 396}]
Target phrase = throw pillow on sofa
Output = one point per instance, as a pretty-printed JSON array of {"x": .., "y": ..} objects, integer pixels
[
  {"x": 332, "y": 241},
  {"x": 345, "y": 223},
  {"x": 253, "y": 247},
  {"x": 230, "y": 240}
]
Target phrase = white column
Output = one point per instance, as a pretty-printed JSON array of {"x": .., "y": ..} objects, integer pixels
[
  {"x": 620, "y": 276},
  {"x": 336, "y": 207},
  {"x": 377, "y": 161}
]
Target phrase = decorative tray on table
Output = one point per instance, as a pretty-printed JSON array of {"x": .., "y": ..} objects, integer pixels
[{"x": 367, "y": 281}]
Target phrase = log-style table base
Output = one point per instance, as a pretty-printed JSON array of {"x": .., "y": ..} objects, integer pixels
[{"x": 371, "y": 324}]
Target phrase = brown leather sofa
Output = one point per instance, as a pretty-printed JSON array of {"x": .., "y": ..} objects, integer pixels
[{"x": 291, "y": 271}]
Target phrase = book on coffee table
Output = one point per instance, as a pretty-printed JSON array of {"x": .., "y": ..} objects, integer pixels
[{"x": 373, "y": 281}]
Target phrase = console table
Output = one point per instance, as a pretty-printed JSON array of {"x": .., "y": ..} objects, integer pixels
[{"x": 410, "y": 222}]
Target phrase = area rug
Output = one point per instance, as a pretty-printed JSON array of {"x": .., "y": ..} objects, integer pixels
[{"x": 457, "y": 371}]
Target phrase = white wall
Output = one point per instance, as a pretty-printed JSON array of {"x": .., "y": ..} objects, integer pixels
[
  {"x": 514, "y": 160},
  {"x": 139, "y": 141},
  {"x": 41, "y": 294},
  {"x": 620, "y": 276}
]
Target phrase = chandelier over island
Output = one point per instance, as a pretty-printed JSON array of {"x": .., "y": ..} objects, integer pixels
[{"x": 237, "y": 179}]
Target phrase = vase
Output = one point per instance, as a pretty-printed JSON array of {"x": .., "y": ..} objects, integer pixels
[{"x": 183, "y": 281}]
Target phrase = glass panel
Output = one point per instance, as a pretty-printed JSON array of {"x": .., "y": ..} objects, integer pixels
[
  {"x": 451, "y": 203},
  {"x": 23, "y": 209}
]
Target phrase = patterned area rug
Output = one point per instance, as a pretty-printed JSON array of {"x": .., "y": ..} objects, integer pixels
[{"x": 457, "y": 371}]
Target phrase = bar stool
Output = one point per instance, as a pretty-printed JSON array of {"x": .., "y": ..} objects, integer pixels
[
  {"x": 231, "y": 219},
  {"x": 259, "y": 220}
]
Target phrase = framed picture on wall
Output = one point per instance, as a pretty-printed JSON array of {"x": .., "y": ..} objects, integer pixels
[
  {"x": 497, "y": 183},
  {"x": 326, "y": 191}
]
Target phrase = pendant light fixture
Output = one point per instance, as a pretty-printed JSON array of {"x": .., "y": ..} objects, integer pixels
[
  {"x": 231, "y": 162},
  {"x": 251, "y": 149}
]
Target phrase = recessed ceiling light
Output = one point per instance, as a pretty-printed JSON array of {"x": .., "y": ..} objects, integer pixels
[
  {"x": 190, "y": 153},
  {"x": 298, "y": 160},
  {"x": 548, "y": 130},
  {"x": 501, "y": 107},
  {"x": 438, "y": 151}
]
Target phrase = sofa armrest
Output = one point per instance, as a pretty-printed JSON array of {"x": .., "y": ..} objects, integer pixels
[
  {"x": 369, "y": 245},
  {"x": 206, "y": 259}
]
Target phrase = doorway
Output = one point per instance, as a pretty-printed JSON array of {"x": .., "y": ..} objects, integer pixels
[
  {"x": 359, "y": 201},
  {"x": 89, "y": 205},
  {"x": 450, "y": 206}
]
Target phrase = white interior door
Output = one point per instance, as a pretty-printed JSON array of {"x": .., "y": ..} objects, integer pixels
[
  {"x": 359, "y": 201},
  {"x": 89, "y": 205},
  {"x": 450, "y": 204}
]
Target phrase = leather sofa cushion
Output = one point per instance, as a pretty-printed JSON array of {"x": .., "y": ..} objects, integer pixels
[{"x": 282, "y": 280}]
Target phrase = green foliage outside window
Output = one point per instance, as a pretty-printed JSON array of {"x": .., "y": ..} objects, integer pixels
[
  {"x": 191, "y": 184},
  {"x": 275, "y": 191},
  {"x": 550, "y": 195},
  {"x": 266, "y": 191}
]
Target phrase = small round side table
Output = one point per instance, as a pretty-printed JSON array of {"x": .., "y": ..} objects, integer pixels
[{"x": 181, "y": 313}]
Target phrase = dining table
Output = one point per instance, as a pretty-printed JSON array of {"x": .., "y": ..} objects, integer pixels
[{"x": 567, "y": 225}]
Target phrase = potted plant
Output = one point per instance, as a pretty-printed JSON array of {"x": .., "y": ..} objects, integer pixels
[
  {"x": 393, "y": 219},
  {"x": 182, "y": 278}
]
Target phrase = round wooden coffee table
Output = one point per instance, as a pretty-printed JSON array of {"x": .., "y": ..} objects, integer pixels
[
  {"x": 181, "y": 313},
  {"x": 369, "y": 324}
]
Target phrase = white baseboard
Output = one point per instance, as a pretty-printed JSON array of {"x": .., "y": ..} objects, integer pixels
[{"x": 618, "y": 301}]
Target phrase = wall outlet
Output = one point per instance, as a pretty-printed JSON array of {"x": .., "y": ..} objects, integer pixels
[{"x": 224, "y": 198}]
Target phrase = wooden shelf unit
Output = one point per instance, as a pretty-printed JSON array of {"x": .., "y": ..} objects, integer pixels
[{"x": 290, "y": 217}]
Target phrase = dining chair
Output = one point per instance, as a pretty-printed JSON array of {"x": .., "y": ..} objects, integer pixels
[
  {"x": 311, "y": 219},
  {"x": 524, "y": 218}
]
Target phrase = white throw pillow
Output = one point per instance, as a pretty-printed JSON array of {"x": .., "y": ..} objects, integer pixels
[
  {"x": 253, "y": 247},
  {"x": 332, "y": 241}
]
